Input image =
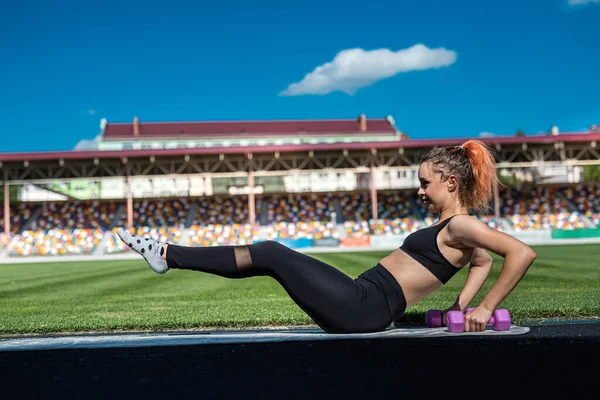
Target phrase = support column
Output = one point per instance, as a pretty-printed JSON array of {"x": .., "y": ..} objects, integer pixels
[
  {"x": 373, "y": 193},
  {"x": 251, "y": 204},
  {"x": 497, "y": 206},
  {"x": 128, "y": 194},
  {"x": 6, "y": 208},
  {"x": 129, "y": 203}
]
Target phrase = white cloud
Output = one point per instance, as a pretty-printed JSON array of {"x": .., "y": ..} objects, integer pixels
[
  {"x": 353, "y": 69},
  {"x": 87, "y": 144},
  {"x": 91, "y": 112},
  {"x": 486, "y": 134},
  {"x": 581, "y": 2}
]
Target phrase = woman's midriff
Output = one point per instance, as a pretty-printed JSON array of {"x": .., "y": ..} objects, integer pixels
[{"x": 416, "y": 281}]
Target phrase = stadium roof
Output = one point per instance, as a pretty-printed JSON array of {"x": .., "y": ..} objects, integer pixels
[
  {"x": 426, "y": 143},
  {"x": 516, "y": 151},
  {"x": 187, "y": 130}
]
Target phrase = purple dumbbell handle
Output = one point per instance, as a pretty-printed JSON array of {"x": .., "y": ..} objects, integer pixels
[
  {"x": 503, "y": 324},
  {"x": 492, "y": 321}
]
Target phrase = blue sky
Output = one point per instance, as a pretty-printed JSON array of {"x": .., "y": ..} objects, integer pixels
[{"x": 440, "y": 68}]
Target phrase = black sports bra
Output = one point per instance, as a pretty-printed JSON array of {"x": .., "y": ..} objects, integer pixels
[{"x": 422, "y": 246}]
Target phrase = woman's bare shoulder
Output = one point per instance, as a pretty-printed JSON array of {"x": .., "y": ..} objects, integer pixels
[{"x": 472, "y": 232}]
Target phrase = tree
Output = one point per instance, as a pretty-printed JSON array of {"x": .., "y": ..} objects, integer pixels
[
  {"x": 591, "y": 173},
  {"x": 13, "y": 190},
  {"x": 510, "y": 179}
]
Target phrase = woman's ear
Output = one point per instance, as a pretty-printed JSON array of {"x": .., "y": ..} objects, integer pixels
[{"x": 452, "y": 183}]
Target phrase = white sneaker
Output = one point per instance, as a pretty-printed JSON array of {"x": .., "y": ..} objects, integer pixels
[{"x": 150, "y": 249}]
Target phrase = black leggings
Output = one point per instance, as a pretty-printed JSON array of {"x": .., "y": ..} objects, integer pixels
[{"x": 336, "y": 302}]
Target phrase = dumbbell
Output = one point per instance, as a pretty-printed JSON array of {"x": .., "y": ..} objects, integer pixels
[{"x": 455, "y": 320}]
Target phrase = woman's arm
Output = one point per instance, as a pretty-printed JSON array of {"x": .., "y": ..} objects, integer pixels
[
  {"x": 517, "y": 255},
  {"x": 479, "y": 269}
]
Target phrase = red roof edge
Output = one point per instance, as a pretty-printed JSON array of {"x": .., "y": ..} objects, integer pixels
[{"x": 74, "y": 154}]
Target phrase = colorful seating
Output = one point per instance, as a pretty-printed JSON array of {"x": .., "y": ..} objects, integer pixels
[
  {"x": 56, "y": 242},
  {"x": 309, "y": 230},
  {"x": 77, "y": 227},
  {"x": 298, "y": 207},
  {"x": 20, "y": 213},
  {"x": 75, "y": 215},
  {"x": 221, "y": 210},
  {"x": 222, "y": 235},
  {"x": 587, "y": 200},
  {"x": 356, "y": 206},
  {"x": 539, "y": 208},
  {"x": 398, "y": 226},
  {"x": 4, "y": 240}
]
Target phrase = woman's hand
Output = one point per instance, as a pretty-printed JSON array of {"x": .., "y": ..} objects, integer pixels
[{"x": 477, "y": 319}]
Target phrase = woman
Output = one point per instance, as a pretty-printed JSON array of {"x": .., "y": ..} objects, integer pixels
[{"x": 454, "y": 180}]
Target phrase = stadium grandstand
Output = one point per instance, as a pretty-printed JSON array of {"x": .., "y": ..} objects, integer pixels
[{"x": 305, "y": 183}]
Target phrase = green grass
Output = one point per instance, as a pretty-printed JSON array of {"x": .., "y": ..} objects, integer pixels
[{"x": 102, "y": 296}]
